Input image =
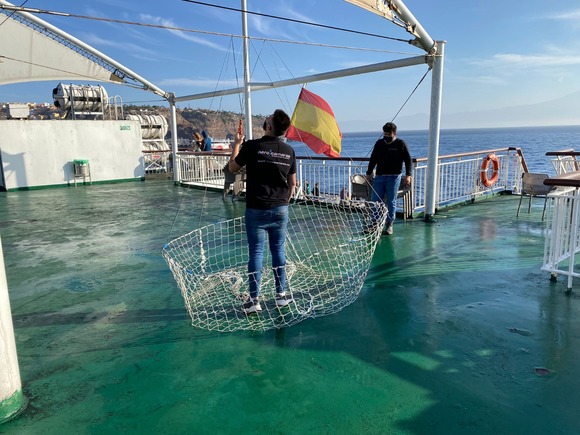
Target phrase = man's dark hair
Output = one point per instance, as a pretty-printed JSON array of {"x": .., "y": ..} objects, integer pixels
[
  {"x": 390, "y": 127},
  {"x": 280, "y": 122}
]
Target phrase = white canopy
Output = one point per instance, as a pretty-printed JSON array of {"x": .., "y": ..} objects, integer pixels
[
  {"x": 33, "y": 50},
  {"x": 28, "y": 56}
]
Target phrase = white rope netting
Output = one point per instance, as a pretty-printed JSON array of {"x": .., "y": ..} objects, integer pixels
[{"x": 329, "y": 248}]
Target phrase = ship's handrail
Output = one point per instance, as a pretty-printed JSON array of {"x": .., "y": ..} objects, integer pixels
[
  {"x": 459, "y": 174},
  {"x": 569, "y": 179},
  {"x": 564, "y": 161}
]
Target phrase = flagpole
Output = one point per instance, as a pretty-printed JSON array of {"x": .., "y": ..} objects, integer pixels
[{"x": 247, "y": 97}]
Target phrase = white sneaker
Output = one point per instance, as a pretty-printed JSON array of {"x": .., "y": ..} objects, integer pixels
[
  {"x": 252, "y": 306},
  {"x": 283, "y": 299}
]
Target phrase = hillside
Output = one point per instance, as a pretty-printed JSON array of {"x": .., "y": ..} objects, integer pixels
[{"x": 219, "y": 124}]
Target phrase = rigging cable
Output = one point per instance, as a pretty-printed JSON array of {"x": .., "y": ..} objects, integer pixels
[
  {"x": 290, "y": 72},
  {"x": 206, "y": 32},
  {"x": 206, "y": 159},
  {"x": 412, "y": 92},
  {"x": 266, "y": 70},
  {"x": 342, "y": 29},
  {"x": 404, "y": 104},
  {"x": 9, "y": 15}
]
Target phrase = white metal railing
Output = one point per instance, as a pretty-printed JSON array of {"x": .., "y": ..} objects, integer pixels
[
  {"x": 459, "y": 176},
  {"x": 203, "y": 169},
  {"x": 156, "y": 162},
  {"x": 329, "y": 176},
  {"x": 564, "y": 161},
  {"x": 565, "y": 164},
  {"x": 562, "y": 241}
]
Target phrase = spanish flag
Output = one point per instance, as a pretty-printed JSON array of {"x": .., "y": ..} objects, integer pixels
[{"x": 314, "y": 124}]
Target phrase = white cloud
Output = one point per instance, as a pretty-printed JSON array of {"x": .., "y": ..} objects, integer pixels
[
  {"x": 569, "y": 20},
  {"x": 272, "y": 27},
  {"x": 514, "y": 60},
  {"x": 265, "y": 26},
  {"x": 202, "y": 83},
  {"x": 539, "y": 60},
  {"x": 353, "y": 64},
  {"x": 291, "y": 13},
  {"x": 566, "y": 16},
  {"x": 127, "y": 47},
  {"x": 486, "y": 80},
  {"x": 180, "y": 33}
]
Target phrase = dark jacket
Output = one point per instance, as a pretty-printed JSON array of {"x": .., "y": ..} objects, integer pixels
[{"x": 389, "y": 158}]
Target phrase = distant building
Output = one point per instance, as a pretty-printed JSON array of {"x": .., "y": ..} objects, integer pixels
[{"x": 18, "y": 111}]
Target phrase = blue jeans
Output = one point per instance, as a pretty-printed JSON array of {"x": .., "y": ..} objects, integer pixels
[
  {"x": 259, "y": 223},
  {"x": 387, "y": 185}
]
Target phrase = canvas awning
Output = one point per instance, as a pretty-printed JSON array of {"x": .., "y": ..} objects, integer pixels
[{"x": 33, "y": 50}]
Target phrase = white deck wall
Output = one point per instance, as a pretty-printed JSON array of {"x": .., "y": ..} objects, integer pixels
[{"x": 41, "y": 153}]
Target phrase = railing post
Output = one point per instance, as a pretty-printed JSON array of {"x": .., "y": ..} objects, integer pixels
[
  {"x": 349, "y": 177},
  {"x": 12, "y": 400},
  {"x": 573, "y": 238},
  {"x": 507, "y": 170},
  {"x": 300, "y": 180}
]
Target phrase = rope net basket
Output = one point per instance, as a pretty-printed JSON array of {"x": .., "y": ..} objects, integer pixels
[{"x": 329, "y": 248}]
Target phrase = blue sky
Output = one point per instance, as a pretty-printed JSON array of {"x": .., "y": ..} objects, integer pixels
[{"x": 507, "y": 63}]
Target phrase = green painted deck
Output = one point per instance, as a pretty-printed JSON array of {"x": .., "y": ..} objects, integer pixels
[{"x": 452, "y": 323}]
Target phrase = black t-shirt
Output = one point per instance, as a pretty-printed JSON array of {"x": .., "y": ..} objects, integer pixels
[{"x": 269, "y": 161}]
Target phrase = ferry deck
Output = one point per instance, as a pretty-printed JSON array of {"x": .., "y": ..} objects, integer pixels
[{"x": 457, "y": 329}]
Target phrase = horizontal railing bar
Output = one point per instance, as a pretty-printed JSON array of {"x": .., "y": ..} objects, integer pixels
[
  {"x": 563, "y": 153},
  {"x": 472, "y": 153}
]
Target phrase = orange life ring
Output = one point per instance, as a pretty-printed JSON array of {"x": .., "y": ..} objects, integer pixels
[{"x": 488, "y": 182}]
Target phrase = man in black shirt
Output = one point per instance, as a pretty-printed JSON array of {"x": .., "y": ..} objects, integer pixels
[
  {"x": 270, "y": 182},
  {"x": 388, "y": 155}
]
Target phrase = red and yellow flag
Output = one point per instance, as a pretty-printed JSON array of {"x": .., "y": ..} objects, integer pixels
[{"x": 314, "y": 124}]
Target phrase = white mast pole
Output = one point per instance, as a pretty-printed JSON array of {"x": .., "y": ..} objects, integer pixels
[
  {"x": 247, "y": 97},
  {"x": 434, "y": 126},
  {"x": 173, "y": 125},
  {"x": 12, "y": 400}
]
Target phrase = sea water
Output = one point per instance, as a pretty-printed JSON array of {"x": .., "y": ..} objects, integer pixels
[{"x": 534, "y": 142}]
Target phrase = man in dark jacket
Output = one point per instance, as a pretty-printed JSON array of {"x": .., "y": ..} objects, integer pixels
[{"x": 388, "y": 156}]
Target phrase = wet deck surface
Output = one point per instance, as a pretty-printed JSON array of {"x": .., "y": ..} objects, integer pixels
[{"x": 450, "y": 335}]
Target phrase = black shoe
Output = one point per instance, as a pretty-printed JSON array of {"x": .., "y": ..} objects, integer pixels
[
  {"x": 369, "y": 229},
  {"x": 389, "y": 229},
  {"x": 252, "y": 306},
  {"x": 283, "y": 299}
]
